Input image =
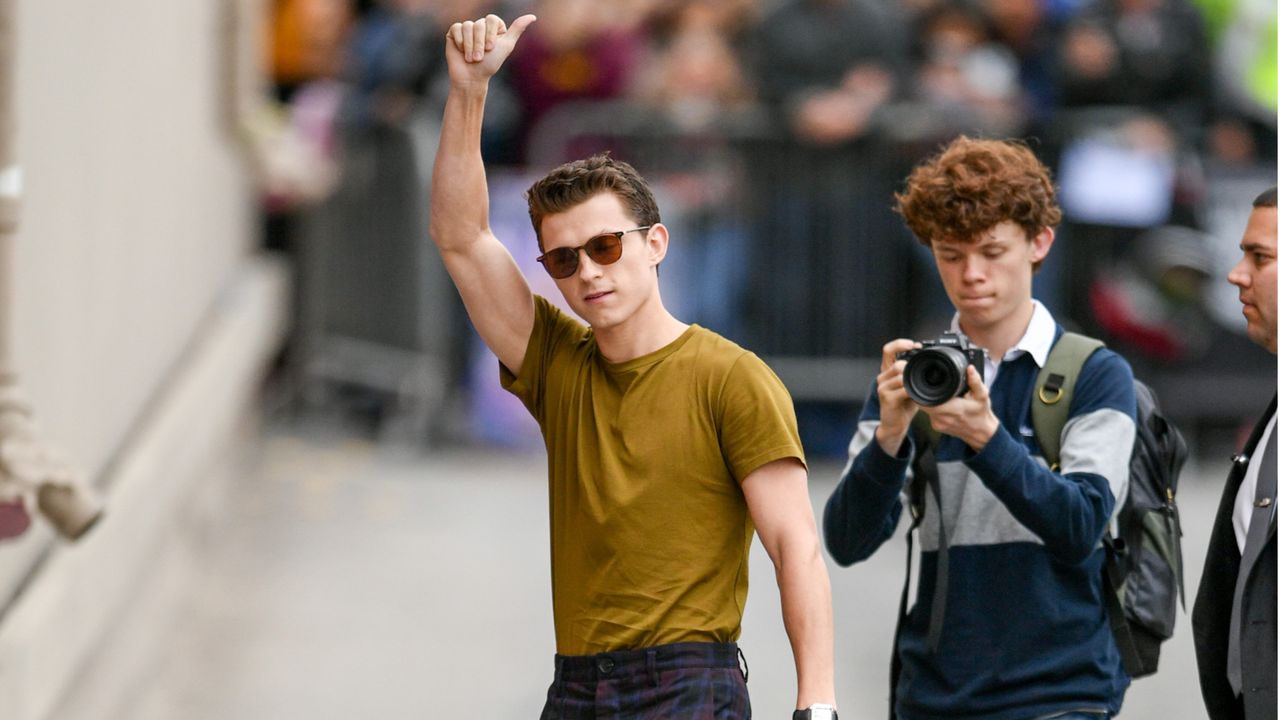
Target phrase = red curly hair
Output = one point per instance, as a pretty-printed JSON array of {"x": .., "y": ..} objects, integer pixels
[{"x": 973, "y": 185}]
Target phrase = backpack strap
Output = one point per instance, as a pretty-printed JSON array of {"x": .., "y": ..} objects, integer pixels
[{"x": 1055, "y": 385}]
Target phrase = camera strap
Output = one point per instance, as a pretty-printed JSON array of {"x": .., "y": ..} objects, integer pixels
[
  {"x": 924, "y": 479},
  {"x": 923, "y": 463}
]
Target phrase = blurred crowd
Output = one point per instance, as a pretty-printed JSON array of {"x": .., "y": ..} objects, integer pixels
[
  {"x": 1145, "y": 109},
  {"x": 829, "y": 70}
]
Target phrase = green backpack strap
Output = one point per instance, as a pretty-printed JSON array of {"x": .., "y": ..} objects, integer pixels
[{"x": 1054, "y": 387}]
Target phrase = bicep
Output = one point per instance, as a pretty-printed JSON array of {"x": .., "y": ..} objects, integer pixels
[
  {"x": 496, "y": 295},
  {"x": 777, "y": 496}
]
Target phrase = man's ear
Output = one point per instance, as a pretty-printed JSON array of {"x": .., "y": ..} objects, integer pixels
[
  {"x": 1040, "y": 245},
  {"x": 655, "y": 242}
]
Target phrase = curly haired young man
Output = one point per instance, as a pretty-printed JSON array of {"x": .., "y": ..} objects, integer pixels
[{"x": 1022, "y": 631}]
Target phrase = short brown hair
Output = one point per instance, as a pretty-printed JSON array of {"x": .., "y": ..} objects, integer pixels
[
  {"x": 576, "y": 182},
  {"x": 973, "y": 185}
]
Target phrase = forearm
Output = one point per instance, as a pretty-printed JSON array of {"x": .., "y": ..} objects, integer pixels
[
  {"x": 459, "y": 190},
  {"x": 805, "y": 591},
  {"x": 1068, "y": 512}
]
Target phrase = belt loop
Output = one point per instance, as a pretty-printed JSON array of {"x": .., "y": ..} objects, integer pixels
[
  {"x": 745, "y": 670},
  {"x": 651, "y": 664}
]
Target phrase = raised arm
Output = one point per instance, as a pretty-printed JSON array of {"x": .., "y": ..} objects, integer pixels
[
  {"x": 496, "y": 294},
  {"x": 778, "y": 498}
]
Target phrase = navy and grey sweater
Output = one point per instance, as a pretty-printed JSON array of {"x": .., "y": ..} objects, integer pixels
[{"x": 1026, "y": 633}]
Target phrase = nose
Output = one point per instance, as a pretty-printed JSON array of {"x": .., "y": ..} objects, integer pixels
[
  {"x": 587, "y": 268},
  {"x": 974, "y": 268},
  {"x": 1239, "y": 275}
]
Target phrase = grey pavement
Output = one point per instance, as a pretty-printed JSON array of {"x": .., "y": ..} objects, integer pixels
[{"x": 347, "y": 580}]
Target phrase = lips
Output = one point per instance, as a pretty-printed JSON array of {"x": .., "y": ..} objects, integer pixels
[{"x": 597, "y": 296}]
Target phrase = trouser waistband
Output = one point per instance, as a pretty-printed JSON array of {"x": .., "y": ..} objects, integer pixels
[{"x": 660, "y": 658}]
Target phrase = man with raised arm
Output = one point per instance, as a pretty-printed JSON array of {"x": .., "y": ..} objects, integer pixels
[{"x": 666, "y": 443}]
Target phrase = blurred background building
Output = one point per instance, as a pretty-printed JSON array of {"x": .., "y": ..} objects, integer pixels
[{"x": 220, "y": 277}]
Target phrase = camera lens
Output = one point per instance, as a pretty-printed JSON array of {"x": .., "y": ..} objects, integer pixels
[{"x": 935, "y": 375}]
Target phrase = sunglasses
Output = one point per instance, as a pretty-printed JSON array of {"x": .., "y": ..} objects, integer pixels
[{"x": 604, "y": 249}]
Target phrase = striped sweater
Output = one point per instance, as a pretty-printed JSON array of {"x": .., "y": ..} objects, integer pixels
[{"x": 1025, "y": 632}]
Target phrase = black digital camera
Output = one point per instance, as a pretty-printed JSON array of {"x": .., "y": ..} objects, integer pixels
[{"x": 935, "y": 373}]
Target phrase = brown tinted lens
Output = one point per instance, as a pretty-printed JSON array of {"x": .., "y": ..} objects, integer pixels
[
  {"x": 561, "y": 262},
  {"x": 604, "y": 249}
]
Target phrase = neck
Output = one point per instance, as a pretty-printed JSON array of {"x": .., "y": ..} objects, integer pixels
[
  {"x": 998, "y": 337},
  {"x": 650, "y": 329}
]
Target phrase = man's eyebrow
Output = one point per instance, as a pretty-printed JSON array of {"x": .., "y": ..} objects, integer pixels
[{"x": 1256, "y": 247}]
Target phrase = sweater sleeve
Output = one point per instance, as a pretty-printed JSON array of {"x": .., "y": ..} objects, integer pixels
[
  {"x": 1069, "y": 509},
  {"x": 866, "y": 505}
]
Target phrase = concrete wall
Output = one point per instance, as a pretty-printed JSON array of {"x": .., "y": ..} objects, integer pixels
[
  {"x": 141, "y": 318},
  {"x": 136, "y": 207}
]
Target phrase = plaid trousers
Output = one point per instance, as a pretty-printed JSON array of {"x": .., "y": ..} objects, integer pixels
[{"x": 684, "y": 681}]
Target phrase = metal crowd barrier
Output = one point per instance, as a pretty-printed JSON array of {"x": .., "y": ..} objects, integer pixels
[{"x": 794, "y": 251}]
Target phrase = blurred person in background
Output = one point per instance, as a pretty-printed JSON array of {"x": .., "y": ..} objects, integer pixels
[
  {"x": 964, "y": 80},
  {"x": 306, "y": 38},
  {"x": 695, "y": 89},
  {"x": 1035, "y": 642},
  {"x": 1234, "y": 617},
  {"x": 582, "y": 50},
  {"x": 824, "y": 67},
  {"x": 1243, "y": 42},
  {"x": 666, "y": 443},
  {"x": 1145, "y": 54},
  {"x": 694, "y": 71},
  {"x": 1134, "y": 90},
  {"x": 294, "y": 133},
  {"x": 1030, "y": 29},
  {"x": 825, "y": 71}
]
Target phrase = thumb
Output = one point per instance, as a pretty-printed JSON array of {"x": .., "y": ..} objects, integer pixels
[{"x": 519, "y": 25}]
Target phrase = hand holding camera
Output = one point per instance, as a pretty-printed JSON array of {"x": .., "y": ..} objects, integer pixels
[
  {"x": 896, "y": 406},
  {"x": 941, "y": 376}
]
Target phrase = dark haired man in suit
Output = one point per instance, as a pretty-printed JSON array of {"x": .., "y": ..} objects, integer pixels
[{"x": 1234, "y": 619}]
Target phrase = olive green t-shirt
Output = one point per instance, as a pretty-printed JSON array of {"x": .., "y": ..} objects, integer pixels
[{"x": 650, "y": 532}]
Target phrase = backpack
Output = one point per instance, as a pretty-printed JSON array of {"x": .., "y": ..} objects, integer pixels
[{"x": 1143, "y": 571}]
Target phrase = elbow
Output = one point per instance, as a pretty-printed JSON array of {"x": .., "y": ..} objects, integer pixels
[
  {"x": 844, "y": 557},
  {"x": 844, "y": 540},
  {"x": 1074, "y": 553},
  {"x": 436, "y": 231},
  {"x": 1078, "y": 545},
  {"x": 798, "y": 550},
  {"x": 843, "y": 546},
  {"x": 837, "y": 548},
  {"x": 835, "y": 536}
]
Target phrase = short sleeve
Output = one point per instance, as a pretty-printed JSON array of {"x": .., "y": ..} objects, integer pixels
[
  {"x": 553, "y": 331},
  {"x": 757, "y": 418}
]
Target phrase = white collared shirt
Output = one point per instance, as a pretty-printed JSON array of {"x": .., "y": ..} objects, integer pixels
[
  {"x": 1243, "y": 511},
  {"x": 1037, "y": 340}
]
